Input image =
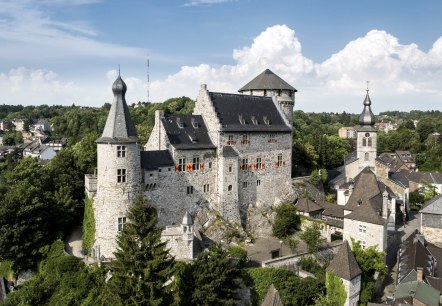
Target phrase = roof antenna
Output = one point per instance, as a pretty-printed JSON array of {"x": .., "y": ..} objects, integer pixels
[
  {"x": 148, "y": 79},
  {"x": 119, "y": 70},
  {"x": 368, "y": 82}
]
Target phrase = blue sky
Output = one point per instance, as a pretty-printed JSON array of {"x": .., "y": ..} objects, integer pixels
[{"x": 68, "y": 51}]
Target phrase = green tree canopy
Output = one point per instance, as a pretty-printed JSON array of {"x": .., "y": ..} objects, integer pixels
[{"x": 286, "y": 220}]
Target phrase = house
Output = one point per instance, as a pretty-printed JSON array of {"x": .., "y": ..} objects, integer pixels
[
  {"x": 41, "y": 125},
  {"x": 416, "y": 293},
  {"x": 344, "y": 266},
  {"x": 333, "y": 215},
  {"x": 422, "y": 178},
  {"x": 399, "y": 160},
  {"x": 308, "y": 208},
  {"x": 232, "y": 154},
  {"x": 347, "y": 132},
  {"x": 431, "y": 220}
]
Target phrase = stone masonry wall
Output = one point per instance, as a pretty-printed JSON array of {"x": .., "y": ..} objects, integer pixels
[
  {"x": 158, "y": 139},
  {"x": 371, "y": 150},
  {"x": 112, "y": 199},
  {"x": 353, "y": 288},
  {"x": 204, "y": 107},
  {"x": 374, "y": 235}
]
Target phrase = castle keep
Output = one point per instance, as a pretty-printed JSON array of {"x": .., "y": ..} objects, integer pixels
[{"x": 232, "y": 153}]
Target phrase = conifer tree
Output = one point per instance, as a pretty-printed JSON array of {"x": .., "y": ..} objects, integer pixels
[
  {"x": 143, "y": 266},
  {"x": 214, "y": 276}
]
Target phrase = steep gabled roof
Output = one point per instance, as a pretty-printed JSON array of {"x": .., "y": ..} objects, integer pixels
[
  {"x": 433, "y": 206},
  {"x": 367, "y": 212},
  {"x": 365, "y": 187},
  {"x": 419, "y": 291},
  {"x": 152, "y": 160},
  {"x": 344, "y": 263},
  {"x": 331, "y": 209},
  {"x": 272, "y": 297},
  {"x": 119, "y": 126},
  {"x": 267, "y": 80},
  {"x": 187, "y": 132},
  {"x": 306, "y": 205},
  {"x": 242, "y": 113}
]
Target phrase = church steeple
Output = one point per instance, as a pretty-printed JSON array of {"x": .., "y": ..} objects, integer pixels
[
  {"x": 119, "y": 125},
  {"x": 367, "y": 118}
]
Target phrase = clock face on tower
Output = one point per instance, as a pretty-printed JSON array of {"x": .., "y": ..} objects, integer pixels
[{"x": 367, "y": 134}]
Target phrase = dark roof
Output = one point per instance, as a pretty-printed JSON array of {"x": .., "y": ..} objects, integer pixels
[
  {"x": 433, "y": 206},
  {"x": 151, "y": 160},
  {"x": 419, "y": 291},
  {"x": 391, "y": 160},
  {"x": 229, "y": 151},
  {"x": 267, "y": 80},
  {"x": 119, "y": 126},
  {"x": 306, "y": 205},
  {"x": 435, "y": 282},
  {"x": 366, "y": 119},
  {"x": 399, "y": 178},
  {"x": 187, "y": 132},
  {"x": 423, "y": 176},
  {"x": 368, "y": 211},
  {"x": 350, "y": 157},
  {"x": 365, "y": 187},
  {"x": 272, "y": 297},
  {"x": 412, "y": 255},
  {"x": 331, "y": 209},
  {"x": 238, "y": 113},
  {"x": 344, "y": 263}
]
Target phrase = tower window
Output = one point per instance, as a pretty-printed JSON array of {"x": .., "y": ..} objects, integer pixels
[
  {"x": 196, "y": 163},
  {"x": 369, "y": 141},
  {"x": 206, "y": 187},
  {"x": 181, "y": 164},
  {"x": 121, "y": 151},
  {"x": 245, "y": 184},
  {"x": 245, "y": 139},
  {"x": 121, "y": 223},
  {"x": 229, "y": 188},
  {"x": 189, "y": 189},
  {"x": 258, "y": 182},
  {"x": 279, "y": 162},
  {"x": 245, "y": 164},
  {"x": 258, "y": 163},
  {"x": 366, "y": 157},
  {"x": 121, "y": 175}
]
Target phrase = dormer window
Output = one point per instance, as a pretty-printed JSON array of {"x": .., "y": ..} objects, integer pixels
[
  {"x": 254, "y": 121},
  {"x": 242, "y": 120},
  {"x": 195, "y": 123},
  {"x": 179, "y": 123},
  {"x": 266, "y": 120},
  {"x": 193, "y": 138}
]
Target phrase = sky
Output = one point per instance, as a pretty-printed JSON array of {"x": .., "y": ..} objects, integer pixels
[{"x": 69, "y": 51}]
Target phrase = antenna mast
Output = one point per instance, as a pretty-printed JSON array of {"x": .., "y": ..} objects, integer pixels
[{"x": 148, "y": 80}]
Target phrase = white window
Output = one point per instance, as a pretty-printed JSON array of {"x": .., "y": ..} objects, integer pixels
[
  {"x": 121, "y": 175},
  {"x": 231, "y": 140},
  {"x": 272, "y": 138},
  {"x": 121, "y": 223},
  {"x": 362, "y": 229},
  {"x": 245, "y": 164},
  {"x": 258, "y": 163},
  {"x": 279, "y": 162},
  {"x": 245, "y": 184},
  {"x": 245, "y": 139},
  {"x": 196, "y": 163},
  {"x": 121, "y": 151},
  {"x": 206, "y": 187},
  {"x": 182, "y": 164},
  {"x": 189, "y": 189}
]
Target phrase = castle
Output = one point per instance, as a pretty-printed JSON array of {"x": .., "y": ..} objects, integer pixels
[{"x": 232, "y": 153}]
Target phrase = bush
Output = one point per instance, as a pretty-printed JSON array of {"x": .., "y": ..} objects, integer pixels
[
  {"x": 239, "y": 254},
  {"x": 88, "y": 225},
  {"x": 312, "y": 236},
  {"x": 286, "y": 220}
]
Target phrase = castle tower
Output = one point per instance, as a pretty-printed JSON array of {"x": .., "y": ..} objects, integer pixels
[
  {"x": 270, "y": 85},
  {"x": 118, "y": 174},
  {"x": 366, "y": 137},
  {"x": 344, "y": 266}
]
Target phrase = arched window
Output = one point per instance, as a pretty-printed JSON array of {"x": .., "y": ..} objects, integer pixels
[
  {"x": 366, "y": 156},
  {"x": 364, "y": 142},
  {"x": 369, "y": 142}
]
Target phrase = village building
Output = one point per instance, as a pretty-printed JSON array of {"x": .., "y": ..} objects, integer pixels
[
  {"x": 231, "y": 154},
  {"x": 431, "y": 220},
  {"x": 344, "y": 266},
  {"x": 399, "y": 160}
]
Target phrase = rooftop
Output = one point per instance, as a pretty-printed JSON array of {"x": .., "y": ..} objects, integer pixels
[{"x": 344, "y": 263}]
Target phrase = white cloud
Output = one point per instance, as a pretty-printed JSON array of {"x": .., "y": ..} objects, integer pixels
[{"x": 204, "y": 2}]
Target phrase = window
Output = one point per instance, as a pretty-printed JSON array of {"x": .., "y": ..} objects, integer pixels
[
  {"x": 231, "y": 140},
  {"x": 362, "y": 228},
  {"x": 258, "y": 164},
  {"x": 272, "y": 138},
  {"x": 369, "y": 142},
  {"x": 206, "y": 187},
  {"x": 229, "y": 188},
  {"x": 363, "y": 244},
  {"x": 189, "y": 189},
  {"x": 210, "y": 165},
  {"x": 121, "y": 175},
  {"x": 121, "y": 151},
  {"x": 179, "y": 123},
  {"x": 230, "y": 168},
  {"x": 245, "y": 139},
  {"x": 258, "y": 182},
  {"x": 279, "y": 162},
  {"x": 196, "y": 163},
  {"x": 366, "y": 157},
  {"x": 245, "y": 184},
  {"x": 181, "y": 164},
  {"x": 364, "y": 142},
  {"x": 121, "y": 223},
  {"x": 245, "y": 164},
  {"x": 150, "y": 187}
]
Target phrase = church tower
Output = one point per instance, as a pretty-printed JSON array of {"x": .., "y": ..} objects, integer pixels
[
  {"x": 366, "y": 137},
  {"x": 118, "y": 174},
  {"x": 268, "y": 84}
]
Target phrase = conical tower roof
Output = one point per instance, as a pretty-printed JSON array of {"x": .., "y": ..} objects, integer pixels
[
  {"x": 344, "y": 263},
  {"x": 272, "y": 297},
  {"x": 367, "y": 118},
  {"x": 119, "y": 125},
  {"x": 269, "y": 81}
]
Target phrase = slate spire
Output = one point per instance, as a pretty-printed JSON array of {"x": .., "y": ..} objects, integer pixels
[
  {"x": 367, "y": 118},
  {"x": 119, "y": 125},
  {"x": 344, "y": 263}
]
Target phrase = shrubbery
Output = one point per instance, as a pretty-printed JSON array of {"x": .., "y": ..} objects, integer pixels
[{"x": 286, "y": 221}]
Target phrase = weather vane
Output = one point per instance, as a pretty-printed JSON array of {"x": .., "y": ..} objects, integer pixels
[
  {"x": 118, "y": 69},
  {"x": 368, "y": 82}
]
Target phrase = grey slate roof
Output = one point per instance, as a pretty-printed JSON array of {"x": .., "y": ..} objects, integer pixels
[
  {"x": 344, "y": 264},
  {"x": 192, "y": 134},
  {"x": 306, "y": 205},
  {"x": 272, "y": 297},
  {"x": 229, "y": 151},
  {"x": 237, "y": 113},
  {"x": 399, "y": 178},
  {"x": 433, "y": 206},
  {"x": 119, "y": 126},
  {"x": 419, "y": 291},
  {"x": 152, "y": 160},
  {"x": 424, "y": 176},
  {"x": 368, "y": 212},
  {"x": 331, "y": 209},
  {"x": 267, "y": 80}
]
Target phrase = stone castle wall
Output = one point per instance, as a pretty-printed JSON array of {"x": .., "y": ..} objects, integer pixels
[
  {"x": 362, "y": 150},
  {"x": 204, "y": 107},
  {"x": 158, "y": 139},
  {"x": 112, "y": 199},
  {"x": 353, "y": 288}
]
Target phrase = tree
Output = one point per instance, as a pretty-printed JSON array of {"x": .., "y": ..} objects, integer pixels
[
  {"x": 336, "y": 294},
  {"x": 214, "y": 276},
  {"x": 142, "y": 265},
  {"x": 286, "y": 220},
  {"x": 312, "y": 236}
]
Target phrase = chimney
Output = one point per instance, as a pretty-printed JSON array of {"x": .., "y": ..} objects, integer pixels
[
  {"x": 419, "y": 274},
  {"x": 385, "y": 204}
]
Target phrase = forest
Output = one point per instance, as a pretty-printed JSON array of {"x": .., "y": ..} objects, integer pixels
[{"x": 39, "y": 205}]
